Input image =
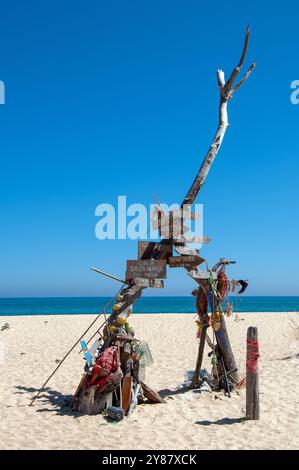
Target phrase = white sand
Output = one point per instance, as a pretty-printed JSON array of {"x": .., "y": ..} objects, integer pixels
[{"x": 187, "y": 421}]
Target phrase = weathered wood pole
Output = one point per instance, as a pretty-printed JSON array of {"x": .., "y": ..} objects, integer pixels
[
  {"x": 201, "y": 347},
  {"x": 252, "y": 377},
  {"x": 226, "y": 350}
]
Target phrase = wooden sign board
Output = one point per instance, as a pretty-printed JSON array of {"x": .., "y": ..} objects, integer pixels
[
  {"x": 143, "y": 282},
  {"x": 145, "y": 249},
  {"x": 126, "y": 392},
  {"x": 170, "y": 228},
  {"x": 185, "y": 250},
  {"x": 184, "y": 214},
  {"x": 146, "y": 268},
  {"x": 204, "y": 275},
  {"x": 195, "y": 239},
  {"x": 188, "y": 261},
  {"x": 174, "y": 228},
  {"x": 174, "y": 231}
]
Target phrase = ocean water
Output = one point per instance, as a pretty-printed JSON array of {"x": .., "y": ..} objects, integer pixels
[{"x": 93, "y": 305}]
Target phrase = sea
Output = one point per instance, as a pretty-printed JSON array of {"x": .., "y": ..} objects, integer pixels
[{"x": 94, "y": 305}]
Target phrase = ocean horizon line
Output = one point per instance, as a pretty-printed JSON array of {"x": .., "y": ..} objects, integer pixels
[
  {"x": 147, "y": 304},
  {"x": 147, "y": 296}
]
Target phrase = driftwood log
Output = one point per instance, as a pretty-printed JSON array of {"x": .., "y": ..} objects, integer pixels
[{"x": 150, "y": 394}]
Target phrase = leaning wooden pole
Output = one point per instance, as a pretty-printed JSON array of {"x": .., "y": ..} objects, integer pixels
[
  {"x": 252, "y": 377},
  {"x": 195, "y": 379},
  {"x": 203, "y": 337},
  {"x": 226, "y": 350}
]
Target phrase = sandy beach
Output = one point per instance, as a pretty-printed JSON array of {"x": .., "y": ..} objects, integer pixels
[{"x": 31, "y": 345}]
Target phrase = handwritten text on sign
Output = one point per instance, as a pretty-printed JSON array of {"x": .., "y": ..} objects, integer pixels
[{"x": 149, "y": 268}]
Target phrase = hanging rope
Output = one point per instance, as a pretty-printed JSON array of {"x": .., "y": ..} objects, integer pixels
[{"x": 252, "y": 355}]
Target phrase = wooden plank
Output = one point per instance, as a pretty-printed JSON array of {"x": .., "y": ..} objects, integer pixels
[
  {"x": 192, "y": 239},
  {"x": 172, "y": 226},
  {"x": 176, "y": 214},
  {"x": 175, "y": 231},
  {"x": 168, "y": 226},
  {"x": 148, "y": 268},
  {"x": 185, "y": 250},
  {"x": 145, "y": 249},
  {"x": 184, "y": 214},
  {"x": 151, "y": 395},
  {"x": 165, "y": 226},
  {"x": 143, "y": 282},
  {"x": 203, "y": 275},
  {"x": 73, "y": 403},
  {"x": 252, "y": 376},
  {"x": 188, "y": 261},
  {"x": 126, "y": 392}
]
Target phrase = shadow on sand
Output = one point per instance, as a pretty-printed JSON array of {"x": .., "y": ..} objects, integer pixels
[
  {"x": 166, "y": 392},
  {"x": 53, "y": 401},
  {"x": 220, "y": 422}
]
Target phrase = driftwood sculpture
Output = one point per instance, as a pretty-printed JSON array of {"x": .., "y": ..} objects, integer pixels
[
  {"x": 153, "y": 257},
  {"x": 149, "y": 271},
  {"x": 162, "y": 250}
]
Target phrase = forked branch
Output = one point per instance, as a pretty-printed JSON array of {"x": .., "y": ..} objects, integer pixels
[
  {"x": 237, "y": 69},
  {"x": 226, "y": 93}
]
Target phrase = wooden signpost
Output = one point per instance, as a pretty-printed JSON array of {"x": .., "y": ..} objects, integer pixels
[
  {"x": 169, "y": 227},
  {"x": 201, "y": 275},
  {"x": 192, "y": 239},
  {"x": 184, "y": 214},
  {"x": 189, "y": 261},
  {"x": 148, "y": 268},
  {"x": 172, "y": 225},
  {"x": 182, "y": 249},
  {"x": 143, "y": 282}
]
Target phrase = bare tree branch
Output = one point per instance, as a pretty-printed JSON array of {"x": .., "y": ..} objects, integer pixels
[
  {"x": 220, "y": 78},
  {"x": 226, "y": 94},
  {"x": 237, "y": 69},
  {"x": 240, "y": 83}
]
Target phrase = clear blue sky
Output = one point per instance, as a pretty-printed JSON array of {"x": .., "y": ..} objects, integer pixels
[{"x": 114, "y": 98}]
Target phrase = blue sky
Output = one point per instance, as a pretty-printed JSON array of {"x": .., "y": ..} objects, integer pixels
[{"x": 120, "y": 98}]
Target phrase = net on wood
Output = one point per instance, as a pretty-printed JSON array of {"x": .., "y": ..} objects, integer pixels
[{"x": 144, "y": 352}]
